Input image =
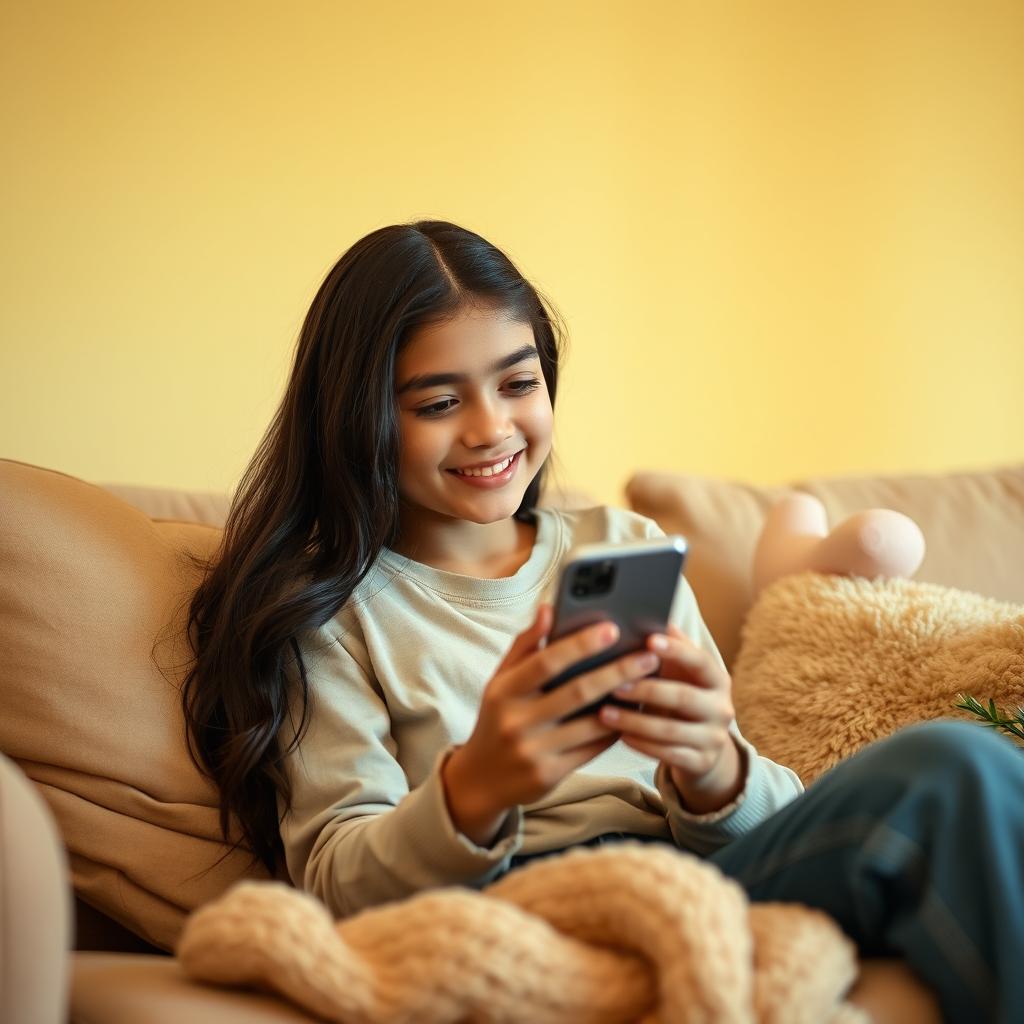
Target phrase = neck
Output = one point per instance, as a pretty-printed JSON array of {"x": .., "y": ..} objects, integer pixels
[{"x": 485, "y": 550}]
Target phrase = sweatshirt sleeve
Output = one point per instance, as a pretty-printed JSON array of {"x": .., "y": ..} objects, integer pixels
[
  {"x": 767, "y": 786},
  {"x": 356, "y": 835}
]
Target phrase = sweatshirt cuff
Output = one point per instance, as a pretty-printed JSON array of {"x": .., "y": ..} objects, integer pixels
[
  {"x": 705, "y": 833},
  {"x": 444, "y": 851}
]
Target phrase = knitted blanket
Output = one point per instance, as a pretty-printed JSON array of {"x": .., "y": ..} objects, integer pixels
[
  {"x": 633, "y": 932},
  {"x": 829, "y": 664}
]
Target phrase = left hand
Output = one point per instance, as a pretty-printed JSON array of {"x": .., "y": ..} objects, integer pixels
[{"x": 684, "y": 722}]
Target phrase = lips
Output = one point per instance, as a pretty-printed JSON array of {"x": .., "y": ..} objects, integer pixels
[
  {"x": 489, "y": 474},
  {"x": 486, "y": 468}
]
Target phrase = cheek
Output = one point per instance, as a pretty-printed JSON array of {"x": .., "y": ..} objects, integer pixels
[
  {"x": 538, "y": 422},
  {"x": 420, "y": 449}
]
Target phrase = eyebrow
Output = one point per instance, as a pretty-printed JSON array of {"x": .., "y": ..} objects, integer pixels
[{"x": 435, "y": 380}]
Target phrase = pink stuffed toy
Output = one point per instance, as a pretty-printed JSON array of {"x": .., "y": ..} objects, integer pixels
[{"x": 796, "y": 538}]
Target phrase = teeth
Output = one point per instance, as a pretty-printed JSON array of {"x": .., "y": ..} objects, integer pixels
[{"x": 487, "y": 470}]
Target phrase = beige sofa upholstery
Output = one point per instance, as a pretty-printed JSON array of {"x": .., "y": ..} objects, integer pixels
[
  {"x": 973, "y": 523},
  {"x": 93, "y": 586},
  {"x": 35, "y": 905}
]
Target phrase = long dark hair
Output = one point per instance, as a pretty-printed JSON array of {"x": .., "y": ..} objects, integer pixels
[{"x": 319, "y": 500}]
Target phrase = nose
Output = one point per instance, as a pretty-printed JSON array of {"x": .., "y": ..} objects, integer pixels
[{"x": 487, "y": 425}]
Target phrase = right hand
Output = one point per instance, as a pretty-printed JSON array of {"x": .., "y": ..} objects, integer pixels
[{"x": 521, "y": 748}]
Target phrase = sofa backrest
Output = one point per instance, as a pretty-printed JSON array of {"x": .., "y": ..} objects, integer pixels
[{"x": 973, "y": 524}]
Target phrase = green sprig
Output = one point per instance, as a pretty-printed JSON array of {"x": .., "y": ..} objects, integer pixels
[{"x": 992, "y": 716}]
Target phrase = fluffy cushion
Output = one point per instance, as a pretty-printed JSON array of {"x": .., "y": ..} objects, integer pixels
[
  {"x": 829, "y": 664},
  {"x": 91, "y": 701},
  {"x": 973, "y": 525}
]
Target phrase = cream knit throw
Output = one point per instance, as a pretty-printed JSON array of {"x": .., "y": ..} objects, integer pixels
[
  {"x": 627, "y": 933},
  {"x": 829, "y": 664}
]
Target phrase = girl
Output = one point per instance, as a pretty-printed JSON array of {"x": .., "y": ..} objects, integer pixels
[{"x": 370, "y": 657}]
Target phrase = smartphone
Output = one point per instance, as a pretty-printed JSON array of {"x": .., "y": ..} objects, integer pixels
[{"x": 632, "y": 584}]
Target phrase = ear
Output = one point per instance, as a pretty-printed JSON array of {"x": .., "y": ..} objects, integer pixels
[{"x": 796, "y": 538}]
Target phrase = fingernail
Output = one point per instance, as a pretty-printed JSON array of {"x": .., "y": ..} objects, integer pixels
[
  {"x": 624, "y": 687},
  {"x": 659, "y": 642},
  {"x": 610, "y": 633},
  {"x": 647, "y": 662},
  {"x": 610, "y": 714}
]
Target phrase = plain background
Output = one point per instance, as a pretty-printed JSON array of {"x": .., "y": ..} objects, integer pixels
[{"x": 788, "y": 237}]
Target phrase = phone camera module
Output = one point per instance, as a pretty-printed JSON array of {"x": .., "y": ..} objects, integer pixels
[
  {"x": 593, "y": 579},
  {"x": 604, "y": 577}
]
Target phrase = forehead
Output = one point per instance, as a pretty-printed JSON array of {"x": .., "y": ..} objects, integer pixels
[{"x": 470, "y": 343}]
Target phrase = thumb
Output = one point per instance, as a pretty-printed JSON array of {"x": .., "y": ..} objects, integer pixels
[{"x": 530, "y": 639}]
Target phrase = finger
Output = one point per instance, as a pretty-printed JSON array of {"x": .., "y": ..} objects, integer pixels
[
  {"x": 588, "y": 687},
  {"x": 567, "y": 736},
  {"x": 682, "y": 659},
  {"x": 551, "y": 661},
  {"x": 687, "y": 759},
  {"x": 676, "y": 698},
  {"x": 530, "y": 639},
  {"x": 659, "y": 728},
  {"x": 581, "y": 755}
]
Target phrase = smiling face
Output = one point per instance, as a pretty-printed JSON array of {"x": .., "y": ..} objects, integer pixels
[{"x": 475, "y": 420}]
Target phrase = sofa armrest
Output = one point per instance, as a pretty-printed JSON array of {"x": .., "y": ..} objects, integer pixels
[{"x": 35, "y": 925}]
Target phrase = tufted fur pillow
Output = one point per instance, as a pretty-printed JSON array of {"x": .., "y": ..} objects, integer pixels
[{"x": 829, "y": 664}]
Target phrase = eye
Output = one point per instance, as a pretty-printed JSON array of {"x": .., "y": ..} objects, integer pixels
[
  {"x": 436, "y": 408},
  {"x": 523, "y": 386}
]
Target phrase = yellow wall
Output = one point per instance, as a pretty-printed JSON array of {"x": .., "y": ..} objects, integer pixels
[{"x": 788, "y": 237}]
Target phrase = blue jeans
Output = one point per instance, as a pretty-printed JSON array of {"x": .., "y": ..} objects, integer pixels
[{"x": 915, "y": 846}]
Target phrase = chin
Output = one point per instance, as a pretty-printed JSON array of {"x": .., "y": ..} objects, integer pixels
[{"x": 494, "y": 514}]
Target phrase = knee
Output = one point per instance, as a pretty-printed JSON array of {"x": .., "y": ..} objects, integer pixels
[{"x": 947, "y": 752}]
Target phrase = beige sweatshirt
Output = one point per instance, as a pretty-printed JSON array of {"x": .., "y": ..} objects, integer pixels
[{"x": 396, "y": 679}]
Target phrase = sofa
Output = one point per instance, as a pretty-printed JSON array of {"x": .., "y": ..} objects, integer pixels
[{"x": 109, "y": 834}]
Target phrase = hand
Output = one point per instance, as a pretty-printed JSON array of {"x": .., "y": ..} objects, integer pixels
[
  {"x": 684, "y": 722},
  {"x": 521, "y": 748}
]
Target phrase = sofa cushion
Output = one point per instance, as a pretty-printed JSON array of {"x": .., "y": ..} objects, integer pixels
[
  {"x": 973, "y": 525},
  {"x": 92, "y": 603},
  {"x": 125, "y": 989}
]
